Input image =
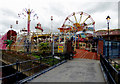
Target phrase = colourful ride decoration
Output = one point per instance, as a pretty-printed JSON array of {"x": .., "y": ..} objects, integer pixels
[
  {"x": 8, "y": 39},
  {"x": 39, "y": 28},
  {"x": 78, "y": 21},
  {"x": 78, "y": 26},
  {"x": 2, "y": 45}
]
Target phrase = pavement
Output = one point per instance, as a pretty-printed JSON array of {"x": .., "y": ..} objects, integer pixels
[
  {"x": 76, "y": 70},
  {"x": 84, "y": 54}
]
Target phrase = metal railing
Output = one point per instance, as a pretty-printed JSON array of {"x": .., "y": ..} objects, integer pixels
[
  {"x": 31, "y": 67},
  {"x": 112, "y": 74}
]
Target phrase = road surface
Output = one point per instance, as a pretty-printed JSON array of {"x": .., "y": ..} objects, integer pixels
[{"x": 76, "y": 70}]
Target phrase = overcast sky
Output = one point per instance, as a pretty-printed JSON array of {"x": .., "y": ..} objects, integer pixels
[{"x": 59, "y": 9}]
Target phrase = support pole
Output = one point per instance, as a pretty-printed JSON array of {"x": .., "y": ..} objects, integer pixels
[
  {"x": 75, "y": 42},
  {"x": 59, "y": 38},
  {"x": 108, "y": 43},
  {"x": 53, "y": 50},
  {"x": 29, "y": 21}
]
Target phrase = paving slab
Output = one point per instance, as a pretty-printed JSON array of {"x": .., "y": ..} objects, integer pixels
[
  {"x": 84, "y": 54},
  {"x": 76, "y": 70}
]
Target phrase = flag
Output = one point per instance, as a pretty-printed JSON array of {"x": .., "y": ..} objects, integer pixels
[
  {"x": 10, "y": 26},
  {"x": 16, "y": 21},
  {"x": 51, "y": 18}
]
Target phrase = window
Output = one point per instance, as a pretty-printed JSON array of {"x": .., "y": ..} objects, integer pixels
[{"x": 114, "y": 46}]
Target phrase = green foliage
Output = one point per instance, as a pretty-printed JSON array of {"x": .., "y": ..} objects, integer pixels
[
  {"x": 36, "y": 56},
  {"x": 44, "y": 47},
  {"x": 117, "y": 66},
  {"x": 8, "y": 42},
  {"x": 50, "y": 61}
]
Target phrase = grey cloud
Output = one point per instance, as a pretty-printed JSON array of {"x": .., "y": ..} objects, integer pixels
[
  {"x": 5, "y": 25},
  {"x": 6, "y": 15},
  {"x": 60, "y": 12},
  {"x": 8, "y": 12},
  {"x": 103, "y": 6},
  {"x": 57, "y": 9},
  {"x": 119, "y": 14},
  {"x": 100, "y": 26}
]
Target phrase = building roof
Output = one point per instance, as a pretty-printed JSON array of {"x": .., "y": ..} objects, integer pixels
[{"x": 105, "y": 32}]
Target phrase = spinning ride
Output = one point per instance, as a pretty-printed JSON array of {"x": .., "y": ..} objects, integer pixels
[
  {"x": 80, "y": 25},
  {"x": 28, "y": 12},
  {"x": 78, "y": 21}
]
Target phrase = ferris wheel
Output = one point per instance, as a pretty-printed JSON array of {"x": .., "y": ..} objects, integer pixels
[{"x": 79, "y": 21}]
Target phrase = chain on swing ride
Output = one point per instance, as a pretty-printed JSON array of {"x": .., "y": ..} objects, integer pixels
[
  {"x": 28, "y": 12},
  {"x": 79, "y": 23},
  {"x": 30, "y": 15}
]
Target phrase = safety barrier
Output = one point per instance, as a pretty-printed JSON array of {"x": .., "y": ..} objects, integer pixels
[
  {"x": 112, "y": 73},
  {"x": 35, "y": 66}
]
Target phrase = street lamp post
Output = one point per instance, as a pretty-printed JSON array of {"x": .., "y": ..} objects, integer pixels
[{"x": 108, "y": 20}]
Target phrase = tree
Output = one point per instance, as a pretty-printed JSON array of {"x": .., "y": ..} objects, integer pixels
[
  {"x": 43, "y": 47},
  {"x": 8, "y": 42}
]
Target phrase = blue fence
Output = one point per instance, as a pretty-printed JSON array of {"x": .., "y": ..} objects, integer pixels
[{"x": 114, "y": 49}]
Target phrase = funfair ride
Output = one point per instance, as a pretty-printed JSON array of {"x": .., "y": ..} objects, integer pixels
[
  {"x": 78, "y": 24},
  {"x": 30, "y": 13},
  {"x": 78, "y": 21}
]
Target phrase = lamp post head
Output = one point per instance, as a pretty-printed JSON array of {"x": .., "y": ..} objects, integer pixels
[
  {"x": 51, "y": 18},
  {"x": 108, "y": 18}
]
